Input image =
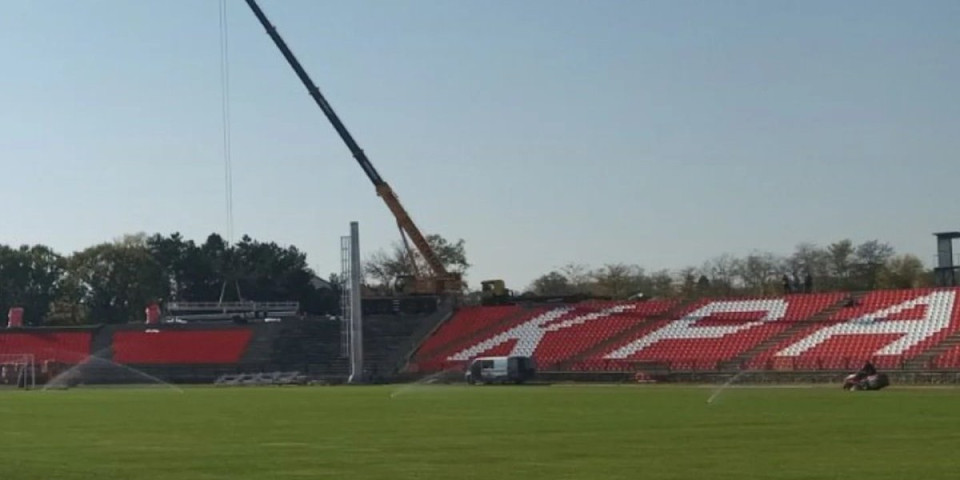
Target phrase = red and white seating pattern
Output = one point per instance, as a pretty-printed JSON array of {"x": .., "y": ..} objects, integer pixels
[
  {"x": 550, "y": 334},
  {"x": 890, "y": 327},
  {"x": 467, "y": 322},
  {"x": 719, "y": 330}
]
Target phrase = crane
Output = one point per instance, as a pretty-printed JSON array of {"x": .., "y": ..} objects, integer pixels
[{"x": 439, "y": 281}]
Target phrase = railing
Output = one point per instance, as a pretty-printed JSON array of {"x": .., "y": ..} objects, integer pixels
[
  {"x": 785, "y": 365},
  {"x": 226, "y": 307}
]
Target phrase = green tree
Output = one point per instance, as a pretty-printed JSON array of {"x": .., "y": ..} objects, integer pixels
[
  {"x": 67, "y": 308},
  {"x": 30, "y": 277},
  {"x": 840, "y": 264},
  {"x": 269, "y": 272},
  {"x": 248, "y": 270},
  {"x": 114, "y": 282},
  {"x": 904, "y": 271},
  {"x": 870, "y": 260}
]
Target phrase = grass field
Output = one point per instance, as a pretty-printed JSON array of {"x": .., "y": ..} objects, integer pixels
[{"x": 559, "y": 432}]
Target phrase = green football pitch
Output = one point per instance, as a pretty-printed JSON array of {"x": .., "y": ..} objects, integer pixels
[{"x": 453, "y": 432}]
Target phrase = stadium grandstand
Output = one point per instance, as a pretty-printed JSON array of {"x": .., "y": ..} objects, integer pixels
[
  {"x": 906, "y": 330},
  {"x": 914, "y": 331}
]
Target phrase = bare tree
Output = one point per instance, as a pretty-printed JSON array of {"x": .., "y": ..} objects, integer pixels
[
  {"x": 722, "y": 273},
  {"x": 553, "y": 283},
  {"x": 618, "y": 280},
  {"x": 757, "y": 271},
  {"x": 384, "y": 266},
  {"x": 578, "y": 277},
  {"x": 687, "y": 281},
  {"x": 660, "y": 284}
]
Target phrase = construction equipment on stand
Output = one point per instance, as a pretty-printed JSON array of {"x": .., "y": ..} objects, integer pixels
[
  {"x": 495, "y": 292},
  {"x": 439, "y": 281}
]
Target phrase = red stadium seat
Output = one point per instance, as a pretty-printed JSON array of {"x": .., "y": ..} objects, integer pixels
[
  {"x": 715, "y": 331},
  {"x": 890, "y": 327},
  {"x": 949, "y": 359},
  {"x": 551, "y": 335}
]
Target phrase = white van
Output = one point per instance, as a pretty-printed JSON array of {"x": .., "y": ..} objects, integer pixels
[{"x": 500, "y": 370}]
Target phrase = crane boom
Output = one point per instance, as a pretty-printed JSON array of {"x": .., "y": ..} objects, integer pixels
[
  {"x": 317, "y": 96},
  {"x": 383, "y": 189}
]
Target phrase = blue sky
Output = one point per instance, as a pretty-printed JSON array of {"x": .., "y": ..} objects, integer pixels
[{"x": 542, "y": 132}]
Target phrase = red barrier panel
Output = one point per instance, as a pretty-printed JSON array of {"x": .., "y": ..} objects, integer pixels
[
  {"x": 62, "y": 347},
  {"x": 191, "y": 347}
]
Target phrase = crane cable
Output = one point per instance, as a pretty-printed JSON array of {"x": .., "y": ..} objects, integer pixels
[
  {"x": 225, "y": 113},
  {"x": 225, "y": 118}
]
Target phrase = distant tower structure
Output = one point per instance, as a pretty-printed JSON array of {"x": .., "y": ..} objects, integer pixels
[{"x": 947, "y": 271}]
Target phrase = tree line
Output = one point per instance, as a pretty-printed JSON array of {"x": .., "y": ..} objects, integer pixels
[
  {"x": 113, "y": 282},
  {"x": 839, "y": 266}
]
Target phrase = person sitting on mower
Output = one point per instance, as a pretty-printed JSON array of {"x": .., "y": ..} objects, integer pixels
[{"x": 867, "y": 370}]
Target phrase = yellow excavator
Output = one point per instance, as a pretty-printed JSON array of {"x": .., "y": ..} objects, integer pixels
[{"x": 438, "y": 281}]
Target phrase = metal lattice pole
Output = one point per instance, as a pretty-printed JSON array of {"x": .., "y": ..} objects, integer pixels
[{"x": 345, "y": 302}]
